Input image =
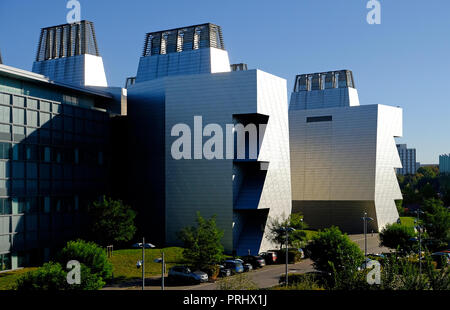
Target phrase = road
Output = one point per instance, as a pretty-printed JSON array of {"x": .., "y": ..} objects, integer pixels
[{"x": 263, "y": 278}]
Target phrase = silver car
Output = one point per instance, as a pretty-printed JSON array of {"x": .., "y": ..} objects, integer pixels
[{"x": 185, "y": 275}]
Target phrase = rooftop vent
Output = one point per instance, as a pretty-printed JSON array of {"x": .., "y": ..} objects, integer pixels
[
  {"x": 324, "y": 80},
  {"x": 183, "y": 39}
]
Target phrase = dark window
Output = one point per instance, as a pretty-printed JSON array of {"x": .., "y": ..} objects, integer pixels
[{"x": 319, "y": 119}]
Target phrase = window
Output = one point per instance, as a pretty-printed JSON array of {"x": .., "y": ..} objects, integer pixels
[
  {"x": 32, "y": 104},
  {"x": 5, "y": 150},
  {"x": 47, "y": 154},
  {"x": 4, "y": 169},
  {"x": 44, "y": 118},
  {"x": 32, "y": 118},
  {"x": 319, "y": 119},
  {"x": 45, "y": 106},
  {"x": 19, "y": 101},
  {"x": 19, "y": 116},
  {"x": 5, "y": 114},
  {"x": 5, "y": 99}
]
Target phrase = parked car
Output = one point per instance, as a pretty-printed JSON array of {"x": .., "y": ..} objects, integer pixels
[
  {"x": 270, "y": 257},
  {"x": 185, "y": 275},
  {"x": 224, "y": 272},
  {"x": 255, "y": 261},
  {"x": 441, "y": 258},
  {"x": 234, "y": 266},
  {"x": 139, "y": 246},
  {"x": 247, "y": 267}
]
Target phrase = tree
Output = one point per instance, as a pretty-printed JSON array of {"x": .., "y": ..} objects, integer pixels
[
  {"x": 88, "y": 254},
  {"x": 437, "y": 221},
  {"x": 52, "y": 277},
  {"x": 336, "y": 256},
  {"x": 278, "y": 236},
  {"x": 202, "y": 244},
  {"x": 111, "y": 222},
  {"x": 397, "y": 236}
]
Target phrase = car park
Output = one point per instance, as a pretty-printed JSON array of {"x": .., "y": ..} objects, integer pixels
[
  {"x": 224, "y": 272},
  {"x": 255, "y": 261},
  {"x": 185, "y": 275},
  {"x": 247, "y": 267}
]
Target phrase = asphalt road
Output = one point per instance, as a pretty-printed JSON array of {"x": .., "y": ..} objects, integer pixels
[{"x": 263, "y": 278}]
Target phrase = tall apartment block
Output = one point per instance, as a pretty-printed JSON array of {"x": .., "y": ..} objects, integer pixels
[
  {"x": 408, "y": 159},
  {"x": 184, "y": 74},
  {"x": 55, "y": 147},
  {"x": 343, "y": 154},
  {"x": 444, "y": 163}
]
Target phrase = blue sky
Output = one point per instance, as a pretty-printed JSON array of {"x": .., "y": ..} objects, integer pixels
[{"x": 402, "y": 62}]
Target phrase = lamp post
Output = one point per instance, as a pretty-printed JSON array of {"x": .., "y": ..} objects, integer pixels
[
  {"x": 365, "y": 218},
  {"x": 287, "y": 230},
  {"x": 141, "y": 263},
  {"x": 163, "y": 268}
]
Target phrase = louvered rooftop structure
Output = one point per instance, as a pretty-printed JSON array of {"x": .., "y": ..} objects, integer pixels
[
  {"x": 186, "y": 50},
  {"x": 69, "y": 53}
]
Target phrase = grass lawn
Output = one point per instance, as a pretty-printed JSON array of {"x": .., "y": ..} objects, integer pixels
[
  {"x": 8, "y": 279},
  {"x": 124, "y": 262},
  {"x": 407, "y": 221}
]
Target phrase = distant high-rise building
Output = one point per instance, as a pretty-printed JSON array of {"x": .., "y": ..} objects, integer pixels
[
  {"x": 408, "y": 159},
  {"x": 69, "y": 53},
  {"x": 343, "y": 154},
  {"x": 444, "y": 163}
]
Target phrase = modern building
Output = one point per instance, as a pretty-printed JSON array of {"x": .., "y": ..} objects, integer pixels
[
  {"x": 444, "y": 163},
  {"x": 184, "y": 80},
  {"x": 55, "y": 156},
  {"x": 343, "y": 154},
  {"x": 408, "y": 159}
]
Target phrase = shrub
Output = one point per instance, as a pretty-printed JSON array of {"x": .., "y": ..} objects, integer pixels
[
  {"x": 239, "y": 282},
  {"x": 88, "y": 254},
  {"x": 397, "y": 236}
]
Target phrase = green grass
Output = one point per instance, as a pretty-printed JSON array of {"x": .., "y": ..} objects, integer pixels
[
  {"x": 8, "y": 279},
  {"x": 407, "y": 221},
  {"x": 124, "y": 262}
]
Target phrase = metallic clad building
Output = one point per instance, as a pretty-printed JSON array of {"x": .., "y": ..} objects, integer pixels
[
  {"x": 343, "y": 155},
  {"x": 186, "y": 76},
  {"x": 69, "y": 53}
]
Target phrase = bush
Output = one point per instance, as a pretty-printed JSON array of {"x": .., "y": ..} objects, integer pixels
[
  {"x": 52, "y": 277},
  {"x": 212, "y": 271},
  {"x": 294, "y": 256},
  {"x": 336, "y": 256},
  {"x": 88, "y": 254},
  {"x": 397, "y": 236},
  {"x": 306, "y": 281},
  {"x": 49, "y": 277}
]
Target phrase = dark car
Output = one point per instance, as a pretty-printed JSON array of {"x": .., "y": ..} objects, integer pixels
[
  {"x": 224, "y": 272},
  {"x": 234, "y": 266},
  {"x": 255, "y": 261},
  {"x": 269, "y": 257},
  {"x": 185, "y": 275}
]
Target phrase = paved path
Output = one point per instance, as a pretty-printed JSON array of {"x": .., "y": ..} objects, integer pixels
[{"x": 264, "y": 278}]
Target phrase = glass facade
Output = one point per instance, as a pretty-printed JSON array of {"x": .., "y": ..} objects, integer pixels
[{"x": 53, "y": 158}]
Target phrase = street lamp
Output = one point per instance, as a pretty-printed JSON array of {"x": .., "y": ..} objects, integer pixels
[
  {"x": 365, "y": 218},
  {"x": 141, "y": 263},
  {"x": 287, "y": 230},
  {"x": 163, "y": 268}
]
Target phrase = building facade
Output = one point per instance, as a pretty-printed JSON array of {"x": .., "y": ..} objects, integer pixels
[
  {"x": 408, "y": 159},
  {"x": 184, "y": 74},
  {"x": 55, "y": 158},
  {"x": 444, "y": 163},
  {"x": 343, "y": 154}
]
